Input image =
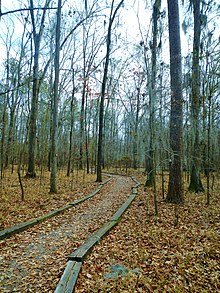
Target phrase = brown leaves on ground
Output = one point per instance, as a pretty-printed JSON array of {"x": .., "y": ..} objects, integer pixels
[
  {"x": 175, "y": 252},
  {"x": 33, "y": 261},
  {"x": 162, "y": 255},
  {"x": 38, "y": 201}
]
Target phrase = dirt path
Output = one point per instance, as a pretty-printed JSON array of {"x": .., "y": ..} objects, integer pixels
[{"x": 33, "y": 261}]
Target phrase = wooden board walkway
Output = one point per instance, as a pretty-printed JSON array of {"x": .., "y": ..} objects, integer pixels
[
  {"x": 28, "y": 224},
  {"x": 68, "y": 280}
]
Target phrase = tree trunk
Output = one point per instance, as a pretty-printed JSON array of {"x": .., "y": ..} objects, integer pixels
[
  {"x": 10, "y": 145},
  {"x": 135, "y": 136},
  {"x": 34, "y": 102},
  {"x": 82, "y": 123},
  {"x": 16, "y": 77},
  {"x": 71, "y": 126},
  {"x": 152, "y": 97},
  {"x": 104, "y": 81},
  {"x": 195, "y": 181},
  {"x": 175, "y": 186},
  {"x": 3, "y": 137},
  {"x": 53, "y": 181}
]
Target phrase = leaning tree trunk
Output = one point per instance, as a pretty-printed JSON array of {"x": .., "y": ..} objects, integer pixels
[
  {"x": 195, "y": 181},
  {"x": 175, "y": 186}
]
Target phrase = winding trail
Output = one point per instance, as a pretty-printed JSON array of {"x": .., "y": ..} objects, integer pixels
[{"x": 34, "y": 260}]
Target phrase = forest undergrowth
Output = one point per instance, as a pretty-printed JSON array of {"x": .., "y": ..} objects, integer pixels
[{"x": 176, "y": 251}]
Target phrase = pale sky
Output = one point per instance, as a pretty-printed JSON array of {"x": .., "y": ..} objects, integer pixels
[{"x": 129, "y": 13}]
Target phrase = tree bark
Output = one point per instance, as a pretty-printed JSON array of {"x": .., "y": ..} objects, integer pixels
[
  {"x": 34, "y": 102},
  {"x": 82, "y": 111},
  {"x": 102, "y": 98},
  {"x": 53, "y": 181},
  {"x": 72, "y": 112},
  {"x": 195, "y": 181},
  {"x": 152, "y": 96},
  {"x": 175, "y": 186}
]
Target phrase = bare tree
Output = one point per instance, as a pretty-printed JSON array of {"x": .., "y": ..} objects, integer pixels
[
  {"x": 195, "y": 181},
  {"x": 175, "y": 187},
  {"x": 152, "y": 94},
  {"x": 104, "y": 81},
  {"x": 37, "y": 36},
  {"x": 53, "y": 181}
]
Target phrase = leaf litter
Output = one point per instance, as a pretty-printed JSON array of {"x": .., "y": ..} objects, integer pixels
[
  {"x": 169, "y": 257},
  {"x": 33, "y": 261},
  {"x": 143, "y": 253}
]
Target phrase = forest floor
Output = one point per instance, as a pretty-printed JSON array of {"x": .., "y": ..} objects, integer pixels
[{"x": 177, "y": 251}]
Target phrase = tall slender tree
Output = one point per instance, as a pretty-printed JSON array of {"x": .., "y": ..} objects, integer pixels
[
  {"x": 195, "y": 181},
  {"x": 53, "y": 178},
  {"x": 72, "y": 114},
  {"x": 175, "y": 186},
  {"x": 152, "y": 94},
  {"x": 104, "y": 82},
  {"x": 37, "y": 36}
]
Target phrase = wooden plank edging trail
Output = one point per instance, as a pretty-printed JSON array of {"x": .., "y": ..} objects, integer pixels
[
  {"x": 70, "y": 275},
  {"x": 30, "y": 223}
]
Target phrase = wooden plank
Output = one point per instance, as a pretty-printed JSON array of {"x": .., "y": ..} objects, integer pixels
[
  {"x": 94, "y": 193},
  {"x": 134, "y": 190},
  {"x": 81, "y": 252},
  {"x": 137, "y": 185},
  {"x": 123, "y": 208},
  {"x": 77, "y": 201},
  {"x": 105, "y": 228},
  {"x": 135, "y": 180},
  {"x": 106, "y": 181},
  {"x": 17, "y": 228},
  {"x": 68, "y": 279},
  {"x": 28, "y": 224},
  {"x": 52, "y": 213}
]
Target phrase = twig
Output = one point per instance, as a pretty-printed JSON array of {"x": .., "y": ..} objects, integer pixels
[{"x": 21, "y": 185}]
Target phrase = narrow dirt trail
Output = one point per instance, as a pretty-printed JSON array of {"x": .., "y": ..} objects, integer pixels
[{"x": 34, "y": 260}]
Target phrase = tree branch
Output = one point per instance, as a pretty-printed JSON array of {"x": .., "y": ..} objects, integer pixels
[{"x": 24, "y": 9}]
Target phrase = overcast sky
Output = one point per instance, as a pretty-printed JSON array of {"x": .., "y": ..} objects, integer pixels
[{"x": 133, "y": 10}]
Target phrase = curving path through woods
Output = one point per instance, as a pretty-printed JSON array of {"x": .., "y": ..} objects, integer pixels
[{"x": 34, "y": 260}]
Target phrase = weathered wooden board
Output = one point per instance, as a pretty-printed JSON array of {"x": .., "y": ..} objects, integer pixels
[
  {"x": 135, "y": 180},
  {"x": 77, "y": 201},
  {"x": 28, "y": 224},
  {"x": 134, "y": 190},
  {"x": 68, "y": 280},
  {"x": 107, "y": 180},
  {"x": 105, "y": 228},
  {"x": 81, "y": 252},
  {"x": 123, "y": 208},
  {"x": 18, "y": 228},
  {"x": 53, "y": 213}
]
